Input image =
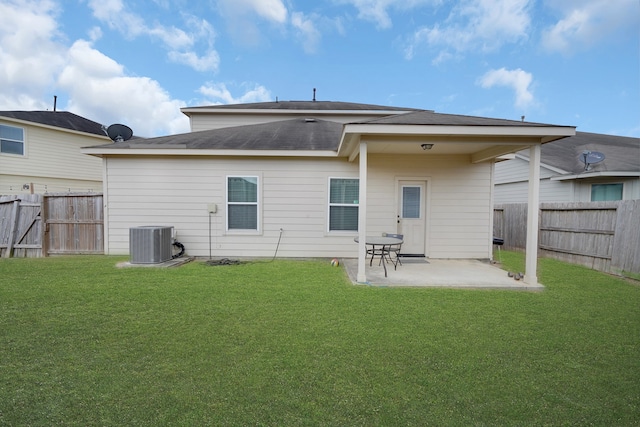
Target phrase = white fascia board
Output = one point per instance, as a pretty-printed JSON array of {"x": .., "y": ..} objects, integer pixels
[
  {"x": 452, "y": 130},
  {"x": 197, "y": 152},
  {"x": 596, "y": 175}
]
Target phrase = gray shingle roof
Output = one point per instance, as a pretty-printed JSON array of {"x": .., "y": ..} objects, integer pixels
[
  {"x": 622, "y": 154},
  {"x": 304, "y": 105},
  {"x": 294, "y": 134},
  {"x": 425, "y": 117},
  {"x": 60, "y": 119}
]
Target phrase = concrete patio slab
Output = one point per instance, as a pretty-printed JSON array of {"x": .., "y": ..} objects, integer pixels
[{"x": 438, "y": 273}]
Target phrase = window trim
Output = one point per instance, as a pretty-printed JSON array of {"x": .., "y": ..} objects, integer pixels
[
  {"x": 257, "y": 203},
  {"x": 24, "y": 141},
  {"x": 329, "y": 204}
]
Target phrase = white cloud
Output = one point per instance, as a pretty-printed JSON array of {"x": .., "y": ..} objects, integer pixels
[
  {"x": 587, "y": 22},
  {"x": 98, "y": 87},
  {"x": 218, "y": 93},
  {"x": 475, "y": 25},
  {"x": 209, "y": 61},
  {"x": 271, "y": 10},
  {"x": 518, "y": 80},
  {"x": 35, "y": 65},
  {"x": 306, "y": 30},
  {"x": 378, "y": 10},
  {"x": 30, "y": 55},
  {"x": 181, "y": 45},
  {"x": 240, "y": 18}
]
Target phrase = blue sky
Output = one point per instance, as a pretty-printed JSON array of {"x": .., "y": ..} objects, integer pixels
[{"x": 568, "y": 62}]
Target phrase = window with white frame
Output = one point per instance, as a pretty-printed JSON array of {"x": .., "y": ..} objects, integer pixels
[
  {"x": 343, "y": 204},
  {"x": 606, "y": 192},
  {"x": 11, "y": 140},
  {"x": 242, "y": 203}
]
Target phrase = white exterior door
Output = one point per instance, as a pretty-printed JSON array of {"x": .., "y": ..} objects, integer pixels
[{"x": 411, "y": 216}]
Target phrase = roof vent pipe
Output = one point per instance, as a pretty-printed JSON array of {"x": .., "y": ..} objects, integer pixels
[
  {"x": 314, "y": 94},
  {"x": 55, "y": 102}
]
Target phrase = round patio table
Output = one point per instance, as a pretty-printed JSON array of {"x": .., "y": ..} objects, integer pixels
[{"x": 380, "y": 246}]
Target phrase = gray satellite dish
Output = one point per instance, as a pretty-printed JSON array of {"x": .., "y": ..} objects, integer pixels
[
  {"x": 591, "y": 158},
  {"x": 119, "y": 133}
]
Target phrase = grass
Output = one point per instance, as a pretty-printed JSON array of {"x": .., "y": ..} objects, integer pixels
[{"x": 294, "y": 343}]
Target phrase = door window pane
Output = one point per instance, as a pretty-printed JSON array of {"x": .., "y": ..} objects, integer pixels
[{"x": 410, "y": 202}]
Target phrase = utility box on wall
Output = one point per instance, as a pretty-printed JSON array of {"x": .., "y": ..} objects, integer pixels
[{"x": 150, "y": 244}]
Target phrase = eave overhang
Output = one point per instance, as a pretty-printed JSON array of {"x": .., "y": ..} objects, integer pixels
[
  {"x": 482, "y": 143},
  {"x": 599, "y": 174}
]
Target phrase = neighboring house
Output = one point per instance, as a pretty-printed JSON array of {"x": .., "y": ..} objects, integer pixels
[
  {"x": 307, "y": 177},
  {"x": 40, "y": 152},
  {"x": 564, "y": 176}
]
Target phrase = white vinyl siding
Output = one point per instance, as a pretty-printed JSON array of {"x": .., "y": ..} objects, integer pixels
[
  {"x": 53, "y": 162},
  {"x": 175, "y": 191}
]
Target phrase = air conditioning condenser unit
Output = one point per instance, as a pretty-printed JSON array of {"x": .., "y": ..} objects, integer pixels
[{"x": 150, "y": 244}]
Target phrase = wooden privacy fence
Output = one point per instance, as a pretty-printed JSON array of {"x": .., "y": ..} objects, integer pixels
[
  {"x": 37, "y": 225},
  {"x": 602, "y": 235}
]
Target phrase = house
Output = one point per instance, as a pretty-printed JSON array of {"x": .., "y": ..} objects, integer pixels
[
  {"x": 40, "y": 152},
  {"x": 566, "y": 177},
  {"x": 305, "y": 178}
]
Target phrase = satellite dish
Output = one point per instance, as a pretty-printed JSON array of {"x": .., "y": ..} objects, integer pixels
[
  {"x": 591, "y": 158},
  {"x": 119, "y": 133}
]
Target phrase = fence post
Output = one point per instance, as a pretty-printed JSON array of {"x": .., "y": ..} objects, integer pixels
[
  {"x": 44, "y": 236},
  {"x": 14, "y": 226}
]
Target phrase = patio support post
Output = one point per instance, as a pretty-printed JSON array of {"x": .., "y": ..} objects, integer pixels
[
  {"x": 531, "y": 263},
  {"x": 362, "y": 215}
]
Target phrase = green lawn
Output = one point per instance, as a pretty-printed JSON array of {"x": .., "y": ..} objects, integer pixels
[{"x": 294, "y": 343}]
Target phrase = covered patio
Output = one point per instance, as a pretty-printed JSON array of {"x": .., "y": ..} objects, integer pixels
[
  {"x": 438, "y": 273},
  {"x": 479, "y": 141}
]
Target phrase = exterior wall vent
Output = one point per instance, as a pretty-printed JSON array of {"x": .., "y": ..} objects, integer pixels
[{"x": 150, "y": 244}]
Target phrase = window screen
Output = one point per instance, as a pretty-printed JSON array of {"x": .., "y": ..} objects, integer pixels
[
  {"x": 242, "y": 202},
  {"x": 343, "y": 204},
  {"x": 11, "y": 140}
]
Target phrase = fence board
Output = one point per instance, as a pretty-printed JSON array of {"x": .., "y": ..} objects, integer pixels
[
  {"x": 75, "y": 224},
  {"x": 601, "y": 235},
  {"x": 513, "y": 227},
  {"x": 626, "y": 248},
  {"x": 20, "y": 226},
  {"x": 34, "y": 225}
]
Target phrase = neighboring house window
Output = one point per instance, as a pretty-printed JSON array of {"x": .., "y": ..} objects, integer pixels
[
  {"x": 11, "y": 140},
  {"x": 343, "y": 204},
  {"x": 242, "y": 202},
  {"x": 606, "y": 192}
]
